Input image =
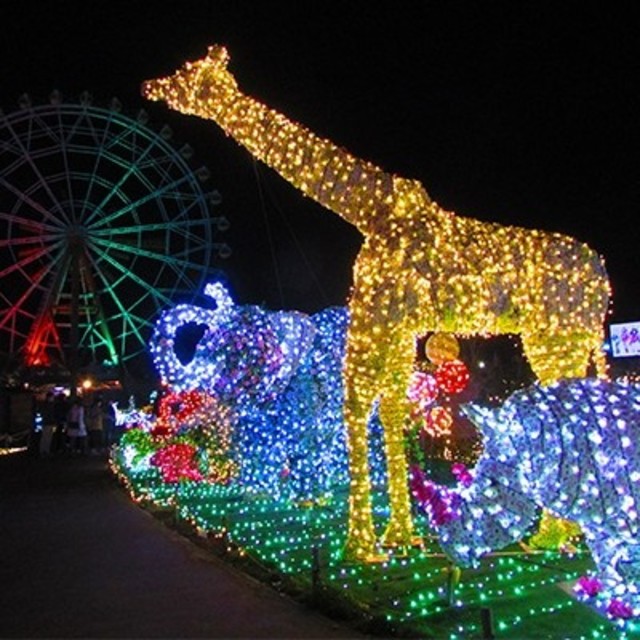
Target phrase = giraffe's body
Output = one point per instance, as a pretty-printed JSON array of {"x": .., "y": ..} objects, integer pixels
[{"x": 420, "y": 269}]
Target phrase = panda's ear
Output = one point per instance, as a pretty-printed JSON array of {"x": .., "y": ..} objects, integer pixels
[{"x": 484, "y": 418}]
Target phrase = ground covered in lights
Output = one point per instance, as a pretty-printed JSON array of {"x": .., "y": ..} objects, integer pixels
[{"x": 517, "y": 593}]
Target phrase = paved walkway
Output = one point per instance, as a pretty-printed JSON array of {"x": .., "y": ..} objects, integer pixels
[{"x": 78, "y": 559}]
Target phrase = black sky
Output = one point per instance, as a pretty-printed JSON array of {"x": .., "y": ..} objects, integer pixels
[{"x": 517, "y": 112}]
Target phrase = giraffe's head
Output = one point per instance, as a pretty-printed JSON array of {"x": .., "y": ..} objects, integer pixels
[{"x": 204, "y": 81}]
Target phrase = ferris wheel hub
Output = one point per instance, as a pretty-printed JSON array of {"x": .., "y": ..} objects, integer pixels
[{"x": 76, "y": 234}]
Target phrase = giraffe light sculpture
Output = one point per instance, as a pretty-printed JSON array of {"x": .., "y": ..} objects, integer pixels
[{"x": 420, "y": 269}]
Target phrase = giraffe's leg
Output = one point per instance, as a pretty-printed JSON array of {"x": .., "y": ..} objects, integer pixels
[
  {"x": 393, "y": 412},
  {"x": 360, "y": 385},
  {"x": 553, "y": 357}
]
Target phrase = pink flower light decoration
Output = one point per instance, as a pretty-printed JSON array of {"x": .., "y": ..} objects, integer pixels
[
  {"x": 588, "y": 586},
  {"x": 439, "y": 502},
  {"x": 619, "y": 609},
  {"x": 462, "y": 474}
]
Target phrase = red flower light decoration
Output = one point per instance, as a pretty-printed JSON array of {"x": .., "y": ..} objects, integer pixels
[
  {"x": 176, "y": 408},
  {"x": 177, "y": 462}
]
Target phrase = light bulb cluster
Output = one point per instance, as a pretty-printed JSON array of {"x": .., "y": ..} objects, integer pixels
[
  {"x": 282, "y": 439},
  {"x": 432, "y": 393},
  {"x": 412, "y": 591},
  {"x": 572, "y": 447},
  {"x": 420, "y": 269}
]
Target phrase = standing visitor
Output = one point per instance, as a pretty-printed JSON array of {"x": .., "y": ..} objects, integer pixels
[
  {"x": 76, "y": 427},
  {"x": 48, "y": 417},
  {"x": 95, "y": 426},
  {"x": 60, "y": 409},
  {"x": 110, "y": 435}
]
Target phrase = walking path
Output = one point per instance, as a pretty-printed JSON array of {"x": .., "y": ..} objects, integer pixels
[{"x": 78, "y": 559}]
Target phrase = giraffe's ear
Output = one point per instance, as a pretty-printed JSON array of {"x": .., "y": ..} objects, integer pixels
[
  {"x": 484, "y": 418},
  {"x": 218, "y": 55}
]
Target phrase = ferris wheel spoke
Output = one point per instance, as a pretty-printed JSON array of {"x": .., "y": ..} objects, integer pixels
[
  {"x": 194, "y": 233},
  {"x": 26, "y": 199},
  {"x": 27, "y": 240},
  {"x": 134, "y": 250},
  {"x": 142, "y": 283},
  {"x": 28, "y": 157},
  {"x": 19, "y": 265},
  {"x": 110, "y": 140},
  {"x": 131, "y": 324},
  {"x": 158, "y": 257},
  {"x": 68, "y": 173},
  {"x": 160, "y": 191},
  {"x": 19, "y": 304},
  {"x": 131, "y": 169},
  {"x": 167, "y": 226},
  {"x": 37, "y": 226},
  {"x": 96, "y": 334}
]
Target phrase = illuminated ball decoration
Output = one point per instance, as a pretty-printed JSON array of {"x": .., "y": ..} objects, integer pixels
[
  {"x": 572, "y": 447},
  {"x": 420, "y": 269},
  {"x": 438, "y": 422},
  {"x": 175, "y": 408},
  {"x": 452, "y": 376},
  {"x": 423, "y": 390},
  {"x": 441, "y": 347}
]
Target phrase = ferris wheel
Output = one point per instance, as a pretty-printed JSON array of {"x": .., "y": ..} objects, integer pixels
[{"x": 103, "y": 224}]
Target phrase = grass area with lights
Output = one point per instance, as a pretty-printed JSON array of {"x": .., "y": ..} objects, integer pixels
[{"x": 516, "y": 593}]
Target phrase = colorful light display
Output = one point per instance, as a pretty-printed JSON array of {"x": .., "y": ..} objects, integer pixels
[
  {"x": 423, "y": 390},
  {"x": 246, "y": 354},
  {"x": 432, "y": 388},
  {"x": 261, "y": 520},
  {"x": 82, "y": 283},
  {"x": 409, "y": 592},
  {"x": 420, "y": 269},
  {"x": 277, "y": 376},
  {"x": 572, "y": 447}
]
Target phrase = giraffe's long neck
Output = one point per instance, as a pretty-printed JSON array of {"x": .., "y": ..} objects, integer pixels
[{"x": 356, "y": 190}]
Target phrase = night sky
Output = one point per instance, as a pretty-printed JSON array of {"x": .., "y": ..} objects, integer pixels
[{"x": 524, "y": 113}]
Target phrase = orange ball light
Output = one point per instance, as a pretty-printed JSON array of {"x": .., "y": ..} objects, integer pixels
[
  {"x": 438, "y": 422},
  {"x": 442, "y": 347}
]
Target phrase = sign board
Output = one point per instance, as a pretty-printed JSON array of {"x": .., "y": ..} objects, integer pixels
[{"x": 625, "y": 339}]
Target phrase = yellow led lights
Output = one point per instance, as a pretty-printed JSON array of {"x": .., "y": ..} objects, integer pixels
[{"x": 420, "y": 269}]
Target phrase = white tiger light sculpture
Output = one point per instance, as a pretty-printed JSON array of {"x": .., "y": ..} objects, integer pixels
[{"x": 572, "y": 447}]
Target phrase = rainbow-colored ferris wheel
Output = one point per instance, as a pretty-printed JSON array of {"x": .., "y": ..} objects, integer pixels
[{"x": 103, "y": 224}]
